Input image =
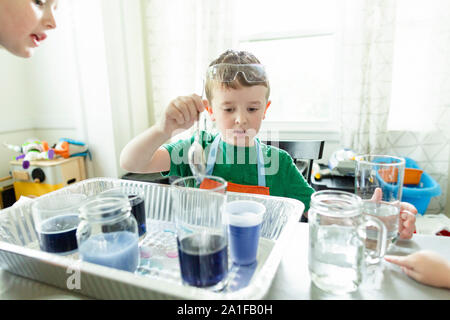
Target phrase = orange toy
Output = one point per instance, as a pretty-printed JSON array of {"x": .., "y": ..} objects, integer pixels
[{"x": 63, "y": 149}]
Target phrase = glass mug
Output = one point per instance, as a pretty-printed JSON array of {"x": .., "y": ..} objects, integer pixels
[
  {"x": 337, "y": 233},
  {"x": 385, "y": 173}
]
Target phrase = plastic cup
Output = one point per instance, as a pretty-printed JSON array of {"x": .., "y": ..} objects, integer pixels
[
  {"x": 201, "y": 232},
  {"x": 385, "y": 173},
  {"x": 244, "y": 227},
  {"x": 137, "y": 201},
  {"x": 56, "y": 219}
]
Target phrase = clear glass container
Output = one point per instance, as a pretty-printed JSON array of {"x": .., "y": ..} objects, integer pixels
[
  {"x": 108, "y": 233},
  {"x": 56, "y": 220},
  {"x": 379, "y": 183},
  {"x": 202, "y": 236},
  {"x": 337, "y": 233}
]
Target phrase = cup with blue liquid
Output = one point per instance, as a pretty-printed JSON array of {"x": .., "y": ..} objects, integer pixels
[
  {"x": 202, "y": 238},
  {"x": 244, "y": 219},
  {"x": 136, "y": 197},
  {"x": 56, "y": 219}
]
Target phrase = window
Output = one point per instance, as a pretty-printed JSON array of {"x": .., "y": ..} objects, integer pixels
[
  {"x": 296, "y": 42},
  {"x": 417, "y": 65}
]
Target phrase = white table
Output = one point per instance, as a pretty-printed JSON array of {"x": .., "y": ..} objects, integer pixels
[
  {"x": 385, "y": 281},
  {"x": 292, "y": 280}
]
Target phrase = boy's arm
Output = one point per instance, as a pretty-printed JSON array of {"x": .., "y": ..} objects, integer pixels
[
  {"x": 144, "y": 154},
  {"x": 295, "y": 184}
]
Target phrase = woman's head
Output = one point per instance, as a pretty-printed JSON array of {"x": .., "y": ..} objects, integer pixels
[{"x": 24, "y": 23}]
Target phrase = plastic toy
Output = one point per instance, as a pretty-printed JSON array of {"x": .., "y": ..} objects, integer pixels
[
  {"x": 32, "y": 149},
  {"x": 70, "y": 148}
]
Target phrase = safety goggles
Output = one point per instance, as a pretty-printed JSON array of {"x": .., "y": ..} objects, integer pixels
[{"x": 227, "y": 72}]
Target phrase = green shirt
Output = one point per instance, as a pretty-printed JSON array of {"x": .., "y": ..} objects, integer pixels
[{"x": 239, "y": 165}]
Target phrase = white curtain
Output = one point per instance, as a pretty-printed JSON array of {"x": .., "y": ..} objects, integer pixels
[
  {"x": 183, "y": 37},
  {"x": 395, "y": 100},
  {"x": 366, "y": 40}
]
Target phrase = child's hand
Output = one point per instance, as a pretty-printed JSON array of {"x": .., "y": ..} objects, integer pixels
[
  {"x": 424, "y": 266},
  {"x": 407, "y": 220},
  {"x": 181, "y": 113}
]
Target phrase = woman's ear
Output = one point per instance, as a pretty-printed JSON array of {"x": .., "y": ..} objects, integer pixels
[
  {"x": 209, "y": 109},
  {"x": 267, "y": 107}
]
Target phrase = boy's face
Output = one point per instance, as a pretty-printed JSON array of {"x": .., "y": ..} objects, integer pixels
[
  {"x": 23, "y": 24},
  {"x": 238, "y": 112}
]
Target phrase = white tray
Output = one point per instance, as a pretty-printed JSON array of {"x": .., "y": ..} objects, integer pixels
[{"x": 160, "y": 278}]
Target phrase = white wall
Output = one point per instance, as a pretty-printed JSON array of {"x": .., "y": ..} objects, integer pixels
[{"x": 14, "y": 99}]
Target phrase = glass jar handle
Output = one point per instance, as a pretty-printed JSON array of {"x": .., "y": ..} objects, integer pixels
[{"x": 381, "y": 238}]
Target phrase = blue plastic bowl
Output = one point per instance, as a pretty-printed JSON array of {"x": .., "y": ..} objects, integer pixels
[{"x": 421, "y": 194}]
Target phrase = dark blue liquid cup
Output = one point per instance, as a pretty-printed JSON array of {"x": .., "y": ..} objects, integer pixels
[
  {"x": 56, "y": 218},
  {"x": 202, "y": 236},
  {"x": 198, "y": 253},
  {"x": 58, "y": 234},
  {"x": 244, "y": 228},
  {"x": 137, "y": 202}
]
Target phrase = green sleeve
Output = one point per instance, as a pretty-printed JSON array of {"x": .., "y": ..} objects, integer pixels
[
  {"x": 296, "y": 186},
  {"x": 179, "y": 164},
  {"x": 178, "y": 151}
]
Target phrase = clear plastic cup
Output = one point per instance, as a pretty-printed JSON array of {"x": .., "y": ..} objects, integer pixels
[{"x": 244, "y": 219}]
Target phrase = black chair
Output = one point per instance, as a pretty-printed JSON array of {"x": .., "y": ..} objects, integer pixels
[{"x": 309, "y": 150}]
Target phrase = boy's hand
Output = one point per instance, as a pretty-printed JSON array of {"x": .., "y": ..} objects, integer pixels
[
  {"x": 407, "y": 220},
  {"x": 181, "y": 113},
  {"x": 424, "y": 266}
]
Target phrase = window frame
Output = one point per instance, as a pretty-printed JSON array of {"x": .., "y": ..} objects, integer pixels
[{"x": 328, "y": 129}]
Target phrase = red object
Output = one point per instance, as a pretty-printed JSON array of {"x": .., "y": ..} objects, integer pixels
[
  {"x": 234, "y": 187},
  {"x": 444, "y": 233}
]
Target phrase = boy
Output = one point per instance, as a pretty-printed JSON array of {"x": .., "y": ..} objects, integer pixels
[{"x": 237, "y": 92}]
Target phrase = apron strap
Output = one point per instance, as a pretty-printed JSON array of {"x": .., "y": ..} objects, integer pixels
[
  {"x": 261, "y": 169},
  {"x": 213, "y": 156}
]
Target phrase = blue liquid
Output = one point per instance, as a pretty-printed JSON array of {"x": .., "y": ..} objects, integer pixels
[
  {"x": 138, "y": 211},
  {"x": 205, "y": 269},
  {"x": 117, "y": 250},
  {"x": 244, "y": 243},
  {"x": 58, "y": 234}
]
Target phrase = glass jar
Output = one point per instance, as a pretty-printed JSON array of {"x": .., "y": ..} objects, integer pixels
[
  {"x": 337, "y": 233},
  {"x": 108, "y": 233}
]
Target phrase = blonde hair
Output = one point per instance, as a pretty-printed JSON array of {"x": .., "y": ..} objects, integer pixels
[{"x": 234, "y": 57}]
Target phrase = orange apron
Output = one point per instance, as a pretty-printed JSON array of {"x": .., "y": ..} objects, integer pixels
[{"x": 234, "y": 187}]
